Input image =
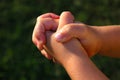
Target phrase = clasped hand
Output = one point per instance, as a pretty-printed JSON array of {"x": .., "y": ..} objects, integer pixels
[{"x": 65, "y": 29}]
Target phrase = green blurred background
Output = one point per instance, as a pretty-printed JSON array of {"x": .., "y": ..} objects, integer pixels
[{"x": 20, "y": 59}]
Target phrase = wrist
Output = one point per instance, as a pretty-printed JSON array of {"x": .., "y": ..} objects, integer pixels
[
  {"x": 103, "y": 37},
  {"x": 95, "y": 40}
]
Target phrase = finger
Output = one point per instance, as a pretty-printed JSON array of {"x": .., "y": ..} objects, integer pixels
[
  {"x": 49, "y": 48},
  {"x": 38, "y": 37},
  {"x": 44, "y": 53},
  {"x": 71, "y": 31},
  {"x": 65, "y": 18},
  {"x": 50, "y": 24},
  {"x": 50, "y": 15},
  {"x": 43, "y": 25}
]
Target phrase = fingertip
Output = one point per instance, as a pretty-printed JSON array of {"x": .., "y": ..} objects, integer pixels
[
  {"x": 65, "y": 18},
  {"x": 63, "y": 35},
  {"x": 58, "y": 37},
  {"x": 68, "y": 14}
]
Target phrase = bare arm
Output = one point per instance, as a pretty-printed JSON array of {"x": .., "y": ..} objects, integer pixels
[
  {"x": 74, "y": 59},
  {"x": 110, "y": 39},
  {"x": 104, "y": 40},
  {"x": 72, "y": 55},
  {"x": 101, "y": 39}
]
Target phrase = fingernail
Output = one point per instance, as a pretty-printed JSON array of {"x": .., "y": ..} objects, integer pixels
[{"x": 58, "y": 37}]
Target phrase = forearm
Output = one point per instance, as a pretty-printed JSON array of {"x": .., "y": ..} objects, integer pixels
[
  {"x": 83, "y": 69},
  {"x": 73, "y": 58},
  {"x": 80, "y": 67},
  {"x": 110, "y": 40}
]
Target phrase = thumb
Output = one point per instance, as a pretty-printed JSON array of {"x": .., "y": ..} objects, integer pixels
[
  {"x": 70, "y": 31},
  {"x": 65, "y": 18}
]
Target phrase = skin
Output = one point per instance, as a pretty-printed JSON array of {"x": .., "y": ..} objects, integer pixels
[
  {"x": 86, "y": 41},
  {"x": 73, "y": 58},
  {"x": 86, "y": 35},
  {"x": 46, "y": 22},
  {"x": 110, "y": 36},
  {"x": 93, "y": 38},
  {"x": 96, "y": 39}
]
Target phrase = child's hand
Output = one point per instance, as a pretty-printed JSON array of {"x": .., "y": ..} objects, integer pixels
[
  {"x": 45, "y": 22},
  {"x": 71, "y": 55},
  {"x": 88, "y": 36},
  {"x": 64, "y": 52}
]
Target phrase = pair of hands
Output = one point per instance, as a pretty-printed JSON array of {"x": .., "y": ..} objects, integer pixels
[{"x": 65, "y": 29}]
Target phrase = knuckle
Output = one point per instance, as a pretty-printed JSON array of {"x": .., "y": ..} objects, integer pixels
[
  {"x": 70, "y": 27},
  {"x": 33, "y": 40},
  {"x": 83, "y": 27},
  {"x": 38, "y": 18}
]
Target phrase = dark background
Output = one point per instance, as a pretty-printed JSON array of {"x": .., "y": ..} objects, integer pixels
[{"x": 20, "y": 59}]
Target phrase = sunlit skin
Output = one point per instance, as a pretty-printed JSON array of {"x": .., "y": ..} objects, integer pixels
[
  {"x": 86, "y": 41},
  {"x": 104, "y": 40},
  {"x": 94, "y": 39},
  {"x": 72, "y": 56}
]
